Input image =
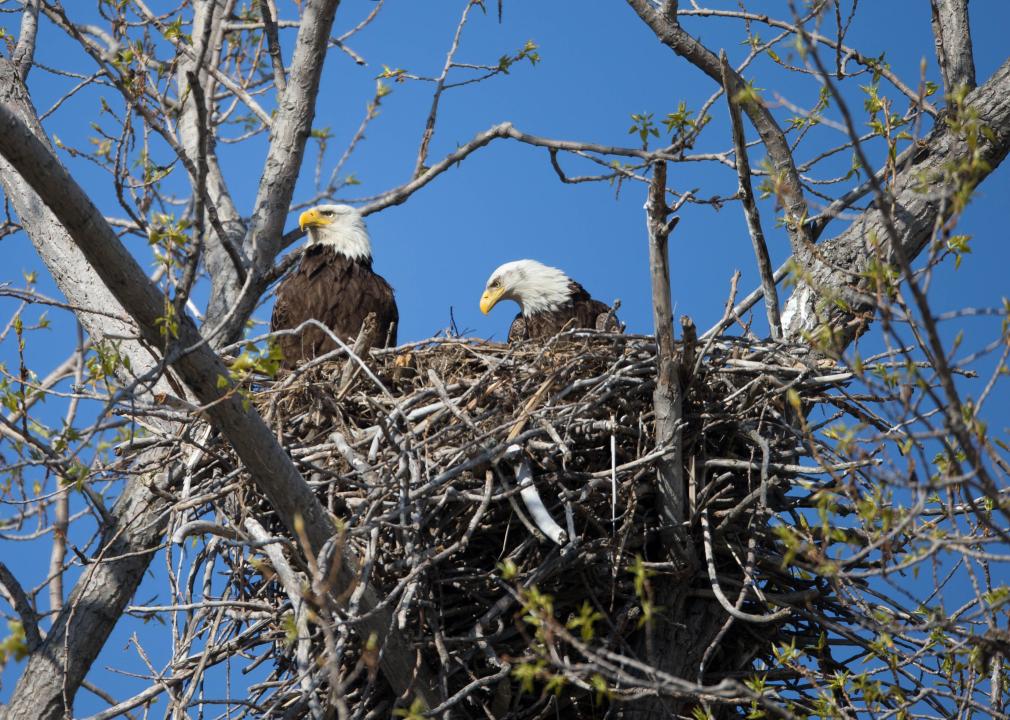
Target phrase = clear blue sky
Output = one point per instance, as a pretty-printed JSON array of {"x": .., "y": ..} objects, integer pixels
[{"x": 599, "y": 65}]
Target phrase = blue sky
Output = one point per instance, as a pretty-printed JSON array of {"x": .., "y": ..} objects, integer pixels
[{"x": 599, "y": 64}]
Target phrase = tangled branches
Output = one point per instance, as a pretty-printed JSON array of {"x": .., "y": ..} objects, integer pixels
[{"x": 502, "y": 503}]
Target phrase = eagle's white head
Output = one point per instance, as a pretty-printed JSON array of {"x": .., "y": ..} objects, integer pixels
[
  {"x": 339, "y": 226},
  {"x": 535, "y": 286}
]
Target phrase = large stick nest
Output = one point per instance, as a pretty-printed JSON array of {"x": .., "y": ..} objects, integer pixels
[{"x": 411, "y": 456}]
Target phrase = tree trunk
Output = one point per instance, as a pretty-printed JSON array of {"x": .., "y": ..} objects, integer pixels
[{"x": 54, "y": 671}]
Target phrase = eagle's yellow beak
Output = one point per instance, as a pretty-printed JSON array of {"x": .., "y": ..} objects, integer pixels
[
  {"x": 490, "y": 298},
  {"x": 311, "y": 218}
]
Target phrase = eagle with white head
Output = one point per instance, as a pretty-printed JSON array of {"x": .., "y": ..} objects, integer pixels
[
  {"x": 334, "y": 284},
  {"x": 549, "y": 301}
]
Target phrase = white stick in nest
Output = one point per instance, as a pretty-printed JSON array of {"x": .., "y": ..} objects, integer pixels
[
  {"x": 528, "y": 492},
  {"x": 613, "y": 475}
]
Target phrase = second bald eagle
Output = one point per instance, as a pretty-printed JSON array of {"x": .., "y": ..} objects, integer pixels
[
  {"x": 334, "y": 284},
  {"x": 549, "y": 301}
]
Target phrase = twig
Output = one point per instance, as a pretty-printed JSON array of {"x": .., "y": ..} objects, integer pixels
[{"x": 750, "y": 207}]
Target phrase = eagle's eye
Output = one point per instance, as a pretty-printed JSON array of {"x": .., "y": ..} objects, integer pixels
[
  {"x": 328, "y": 213},
  {"x": 496, "y": 283}
]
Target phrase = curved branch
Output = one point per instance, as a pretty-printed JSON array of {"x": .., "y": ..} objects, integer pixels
[
  {"x": 787, "y": 180},
  {"x": 919, "y": 196},
  {"x": 207, "y": 377},
  {"x": 24, "y": 51},
  {"x": 11, "y": 588}
]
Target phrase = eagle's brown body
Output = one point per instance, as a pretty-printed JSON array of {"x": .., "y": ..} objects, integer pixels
[
  {"x": 579, "y": 311},
  {"x": 337, "y": 291}
]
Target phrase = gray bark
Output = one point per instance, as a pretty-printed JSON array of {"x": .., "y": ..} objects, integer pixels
[
  {"x": 952, "y": 34},
  {"x": 64, "y": 260},
  {"x": 24, "y": 51},
  {"x": 55, "y": 672},
  {"x": 55, "y": 669},
  {"x": 200, "y": 368},
  {"x": 288, "y": 135},
  {"x": 921, "y": 198},
  {"x": 198, "y": 141},
  {"x": 667, "y": 395}
]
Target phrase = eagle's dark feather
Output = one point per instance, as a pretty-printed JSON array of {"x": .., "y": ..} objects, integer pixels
[
  {"x": 579, "y": 311},
  {"x": 338, "y": 292}
]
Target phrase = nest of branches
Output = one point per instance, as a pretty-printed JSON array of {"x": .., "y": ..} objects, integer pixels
[{"x": 502, "y": 503}]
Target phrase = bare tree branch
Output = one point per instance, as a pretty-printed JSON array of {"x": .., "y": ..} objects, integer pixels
[
  {"x": 436, "y": 96},
  {"x": 291, "y": 128},
  {"x": 786, "y": 179},
  {"x": 921, "y": 197},
  {"x": 751, "y": 210},
  {"x": 24, "y": 51},
  {"x": 667, "y": 395},
  {"x": 952, "y": 33},
  {"x": 18, "y": 599},
  {"x": 269, "y": 14},
  {"x": 205, "y": 374},
  {"x": 840, "y": 49}
]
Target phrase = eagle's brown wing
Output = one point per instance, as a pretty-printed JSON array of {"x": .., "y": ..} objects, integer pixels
[
  {"x": 518, "y": 330},
  {"x": 339, "y": 293},
  {"x": 580, "y": 311}
]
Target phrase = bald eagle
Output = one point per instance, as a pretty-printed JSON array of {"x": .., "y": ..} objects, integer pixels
[
  {"x": 333, "y": 284},
  {"x": 548, "y": 301}
]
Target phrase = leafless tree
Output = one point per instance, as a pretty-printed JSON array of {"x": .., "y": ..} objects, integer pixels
[{"x": 902, "y": 475}]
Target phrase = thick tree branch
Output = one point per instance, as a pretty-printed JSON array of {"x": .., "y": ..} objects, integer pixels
[
  {"x": 291, "y": 128},
  {"x": 952, "y": 34},
  {"x": 24, "y": 51},
  {"x": 204, "y": 374},
  {"x": 18, "y": 599},
  {"x": 667, "y": 395},
  {"x": 963, "y": 179},
  {"x": 80, "y": 630},
  {"x": 921, "y": 196}
]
